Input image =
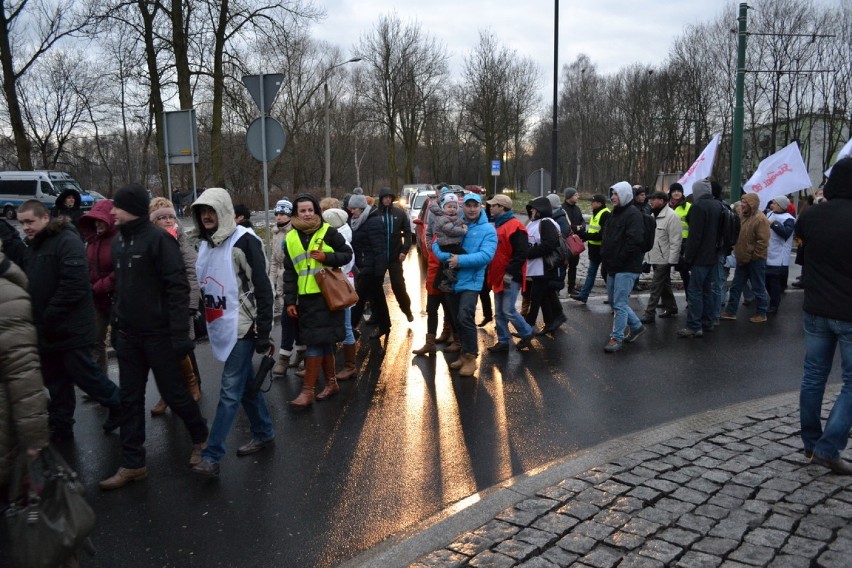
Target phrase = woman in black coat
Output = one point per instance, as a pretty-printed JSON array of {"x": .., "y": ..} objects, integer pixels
[{"x": 312, "y": 244}]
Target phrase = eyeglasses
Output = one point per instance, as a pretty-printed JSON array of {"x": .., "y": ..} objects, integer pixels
[{"x": 166, "y": 218}]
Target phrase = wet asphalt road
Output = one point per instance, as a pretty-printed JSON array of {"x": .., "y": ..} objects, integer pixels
[{"x": 406, "y": 438}]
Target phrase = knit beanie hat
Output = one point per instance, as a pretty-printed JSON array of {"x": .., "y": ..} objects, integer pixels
[
  {"x": 599, "y": 198},
  {"x": 335, "y": 217},
  {"x": 132, "y": 198},
  {"x": 782, "y": 202},
  {"x": 357, "y": 202},
  {"x": 554, "y": 200},
  {"x": 284, "y": 206},
  {"x": 449, "y": 197},
  {"x": 570, "y": 192}
]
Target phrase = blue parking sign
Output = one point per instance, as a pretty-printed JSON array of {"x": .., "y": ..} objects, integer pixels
[{"x": 495, "y": 167}]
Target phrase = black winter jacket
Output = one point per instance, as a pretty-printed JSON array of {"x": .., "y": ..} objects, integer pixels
[
  {"x": 368, "y": 242},
  {"x": 702, "y": 246},
  {"x": 317, "y": 324},
  {"x": 575, "y": 216},
  {"x": 13, "y": 247},
  {"x": 621, "y": 246},
  {"x": 72, "y": 213},
  {"x": 397, "y": 228},
  {"x": 151, "y": 290},
  {"x": 58, "y": 274},
  {"x": 827, "y": 271}
]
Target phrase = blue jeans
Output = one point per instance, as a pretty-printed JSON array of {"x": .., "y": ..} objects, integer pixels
[
  {"x": 618, "y": 287},
  {"x": 463, "y": 305},
  {"x": 591, "y": 275},
  {"x": 505, "y": 311},
  {"x": 699, "y": 295},
  {"x": 821, "y": 338},
  {"x": 753, "y": 272},
  {"x": 350, "y": 337},
  {"x": 237, "y": 372}
]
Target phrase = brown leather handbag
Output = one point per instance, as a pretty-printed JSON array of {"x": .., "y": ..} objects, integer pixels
[{"x": 338, "y": 292}]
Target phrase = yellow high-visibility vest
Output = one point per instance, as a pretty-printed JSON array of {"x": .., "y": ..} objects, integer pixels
[
  {"x": 682, "y": 210},
  {"x": 594, "y": 227},
  {"x": 307, "y": 267}
]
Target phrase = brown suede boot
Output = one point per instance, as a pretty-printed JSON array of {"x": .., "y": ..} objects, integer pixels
[
  {"x": 469, "y": 366},
  {"x": 331, "y": 387},
  {"x": 348, "y": 371},
  {"x": 453, "y": 347},
  {"x": 281, "y": 365},
  {"x": 446, "y": 333},
  {"x": 190, "y": 381},
  {"x": 312, "y": 369},
  {"x": 428, "y": 348},
  {"x": 160, "y": 408},
  {"x": 457, "y": 364}
]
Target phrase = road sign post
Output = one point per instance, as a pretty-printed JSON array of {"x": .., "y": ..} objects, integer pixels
[
  {"x": 495, "y": 172},
  {"x": 265, "y": 138}
]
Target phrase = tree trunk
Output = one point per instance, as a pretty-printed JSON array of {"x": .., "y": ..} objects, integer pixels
[
  {"x": 156, "y": 100},
  {"x": 19, "y": 133},
  {"x": 217, "y": 166}
]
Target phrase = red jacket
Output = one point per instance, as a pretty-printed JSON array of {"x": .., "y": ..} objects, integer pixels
[
  {"x": 99, "y": 253},
  {"x": 510, "y": 256}
]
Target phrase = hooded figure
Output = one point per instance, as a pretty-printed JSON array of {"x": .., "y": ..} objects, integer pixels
[
  {"x": 702, "y": 247},
  {"x": 753, "y": 242},
  {"x": 65, "y": 207},
  {"x": 544, "y": 235},
  {"x": 98, "y": 230},
  {"x": 621, "y": 247}
]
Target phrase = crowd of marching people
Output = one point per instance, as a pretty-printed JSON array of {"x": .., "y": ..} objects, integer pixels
[{"x": 126, "y": 274}]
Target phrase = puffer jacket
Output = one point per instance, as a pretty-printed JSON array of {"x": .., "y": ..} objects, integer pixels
[
  {"x": 99, "y": 253},
  {"x": 479, "y": 244},
  {"x": 249, "y": 263},
  {"x": 23, "y": 404},
  {"x": 667, "y": 239},
  {"x": 753, "y": 242},
  {"x": 368, "y": 243},
  {"x": 317, "y": 324},
  {"x": 58, "y": 275}
]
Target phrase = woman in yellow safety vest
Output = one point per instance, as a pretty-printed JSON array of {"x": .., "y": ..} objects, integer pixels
[{"x": 311, "y": 245}]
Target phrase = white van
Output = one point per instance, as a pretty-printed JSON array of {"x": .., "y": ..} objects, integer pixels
[{"x": 43, "y": 185}]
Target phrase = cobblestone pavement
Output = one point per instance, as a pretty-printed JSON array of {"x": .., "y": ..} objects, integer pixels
[{"x": 737, "y": 493}]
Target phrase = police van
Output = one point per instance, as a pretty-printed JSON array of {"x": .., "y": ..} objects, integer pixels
[{"x": 42, "y": 185}]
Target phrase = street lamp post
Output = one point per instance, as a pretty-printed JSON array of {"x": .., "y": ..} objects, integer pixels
[{"x": 327, "y": 104}]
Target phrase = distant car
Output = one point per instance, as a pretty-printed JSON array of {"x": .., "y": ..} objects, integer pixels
[
  {"x": 409, "y": 189},
  {"x": 416, "y": 205},
  {"x": 475, "y": 189},
  {"x": 96, "y": 196}
]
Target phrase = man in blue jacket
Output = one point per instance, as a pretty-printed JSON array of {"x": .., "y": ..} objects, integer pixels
[{"x": 480, "y": 244}]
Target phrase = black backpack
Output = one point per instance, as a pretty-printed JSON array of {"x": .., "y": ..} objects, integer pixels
[
  {"x": 729, "y": 229},
  {"x": 650, "y": 229}
]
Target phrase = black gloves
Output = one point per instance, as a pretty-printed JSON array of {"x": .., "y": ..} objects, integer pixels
[
  {"x": 261, "y": 344},
  {"x": 182, "y": 345}
]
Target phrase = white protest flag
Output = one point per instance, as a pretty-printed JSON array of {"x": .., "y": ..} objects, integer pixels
[
  {"x": 845, "y": 152},
  {"x": 781, "y": 173},
  {"x": 701, "y": 168}
]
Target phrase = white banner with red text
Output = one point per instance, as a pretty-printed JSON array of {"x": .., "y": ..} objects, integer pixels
[
  {"x": 781, "y": 173},
  {"x": 701, "y": 168}
]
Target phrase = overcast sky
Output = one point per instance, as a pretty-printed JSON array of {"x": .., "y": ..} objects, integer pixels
[{"x": 613, "y": 33}]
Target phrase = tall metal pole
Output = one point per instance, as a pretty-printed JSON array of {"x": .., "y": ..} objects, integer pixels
[
  {"x": 737, "y": 135},
  {"x": 327, "y": 143},
  {"x": 554, "y": 179},
  {"x": 268, "y": 231}
]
